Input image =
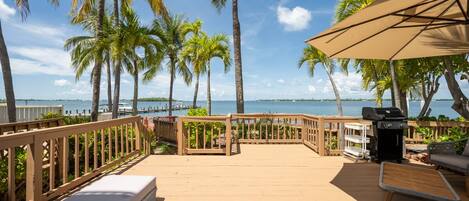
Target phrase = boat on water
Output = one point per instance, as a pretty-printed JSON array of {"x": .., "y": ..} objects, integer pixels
[{"x": 122, "y": 107}]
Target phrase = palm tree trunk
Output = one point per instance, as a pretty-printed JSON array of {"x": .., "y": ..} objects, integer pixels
[
  {"x": 116, "y": 13},
  {"x": 117, "y": 86},
  {"x": 109, "y": 85},
  {"x": 237, "y": 59},
  {"x": 98, "y": 65},
  {"x": 171, "y": 83},
  {"x": 336, "y": 93},
  {"x": 209, "y": 93},
  {"x": 395, "y": 86},
  {"x": 134, "y": 103},
  {"x": 196, "y": 91},
  {"x": 403, "y": 101},
  {"x": 7, "y": 78},
  {"x": 461, "y": 103}
]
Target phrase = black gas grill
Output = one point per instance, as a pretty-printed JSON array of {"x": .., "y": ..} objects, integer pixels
[{"x": 388, "y": 133}]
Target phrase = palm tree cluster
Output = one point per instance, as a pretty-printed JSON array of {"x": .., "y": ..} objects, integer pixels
[
  {"x": 171, "y": 42},
  {"x": 413, "y": 77},
  {"x": 119, "y": 42}
]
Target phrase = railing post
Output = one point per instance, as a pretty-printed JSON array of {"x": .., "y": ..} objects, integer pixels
[
  {"x": 180, "y": 140},
  {"x": 228, "y": 135},
  {"x": 34, "y": 171},
  {"x": 321, "y": 142},
  {"x": 303, "y": 129},
  {"x": 138, "y": 137}
]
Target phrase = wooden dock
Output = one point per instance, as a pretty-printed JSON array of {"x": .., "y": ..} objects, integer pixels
[{"x": 87, "y": 112}]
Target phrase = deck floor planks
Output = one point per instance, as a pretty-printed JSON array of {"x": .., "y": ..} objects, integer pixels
[{"x": 267, "y": 172}]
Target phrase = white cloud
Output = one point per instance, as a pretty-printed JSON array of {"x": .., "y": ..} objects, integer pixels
[
  {"x": 40, "y": 60},
  {"x": 281, "y": 81},
  {"x": 61, "y": 82},
  {"x": 5, "y": 10},
  {"x": 311, "y": 88},
  {"x": 295, "y": 19},
  {"x": 80, "y": 88}
]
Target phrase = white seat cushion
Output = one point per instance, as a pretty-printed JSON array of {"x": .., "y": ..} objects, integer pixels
[{"x": 118, "y": 188}]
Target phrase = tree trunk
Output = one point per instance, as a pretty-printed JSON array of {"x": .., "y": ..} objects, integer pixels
[
  {"x": 98, "y": 65},
  {"x": 237, "y": 59},
  {"x": 403, "y": 102},
  {"x": 135, "y": 101},
  {"x": 7, "y": 78},
  {"x": 171, "y": 83},
  {"x": 196, "y": 91},
  {"x": 395, "y": 86},
  {"x": 427, "y": 94},
  {"x": 336, "y": 93},
  {"x": 209, "y": 93},
  {"x": 461, "y": 103},
  {"x": 117, "y": 86},
  {"x": 116, "y": 13},
  {"x": 109, "y": 85}
]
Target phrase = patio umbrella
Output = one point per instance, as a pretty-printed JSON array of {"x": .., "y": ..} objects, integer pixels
[{"x": 398, "y": 29}]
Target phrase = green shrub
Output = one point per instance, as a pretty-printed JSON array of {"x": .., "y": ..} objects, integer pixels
[
  {"x": 68, "y": 120},
  {"x": 426, "y": 133},
  {"x": 457, "y": 136}
]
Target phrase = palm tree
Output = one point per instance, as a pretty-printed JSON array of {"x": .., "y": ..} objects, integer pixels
[
  {"x": 346, "y": 8},
  {"x": 23, "y": 7},
  {"x": 191, "y": 54},
  {"x": 171, "y": 32},
  {"x": 137, "y": 36},
  {"x": 312, "y": 57},
  {"x": 219, "y": 4},
  {"x": 215, "y": 47},
  {"x": 87, "y": 49},
  {"x": 158, "y": 7}
]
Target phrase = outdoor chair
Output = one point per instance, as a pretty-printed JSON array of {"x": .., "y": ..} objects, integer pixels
[{"x": 443, "y": 154}]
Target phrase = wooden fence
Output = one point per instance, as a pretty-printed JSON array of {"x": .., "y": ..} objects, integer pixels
[
  {"x": 29, "y": 112},
  {"x": 437, "y": 128},
  {"x": 165, "y": 128},
  {"x": 10, "y": 128},
  {"x": 323, "y": 134},
  {"x": 62, "y": 158}
]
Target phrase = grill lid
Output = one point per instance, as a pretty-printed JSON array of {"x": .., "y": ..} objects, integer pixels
[{"x": 386, "y": 113}]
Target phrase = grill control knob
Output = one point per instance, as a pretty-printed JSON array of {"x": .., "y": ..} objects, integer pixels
[{"x": 388, "y": 125}]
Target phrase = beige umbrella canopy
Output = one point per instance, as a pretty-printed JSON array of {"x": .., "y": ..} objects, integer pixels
[{"x": 399, "y": 29}]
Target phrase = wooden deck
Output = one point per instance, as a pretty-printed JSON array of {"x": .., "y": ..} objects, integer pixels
[{"x": 267, "y": 172}]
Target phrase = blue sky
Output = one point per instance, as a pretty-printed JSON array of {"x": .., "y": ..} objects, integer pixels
[{"x": 273, "y": 34}]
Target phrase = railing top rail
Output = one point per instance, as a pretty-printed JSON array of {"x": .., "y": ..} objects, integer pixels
[
  {"x": 439, "y": 123},
  {"x": 18, "y": 139},
  {"x": 195, "y": 118}
]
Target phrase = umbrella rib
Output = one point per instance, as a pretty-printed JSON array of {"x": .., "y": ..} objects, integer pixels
[
  {"x": 438, "y": 25},
  {"x": 462, "y": 10},
  {"x": 365, "y": 39},
  {"x": 422, "y": 30},
  {"x": 428, "y": 17},
  {"x": 373, "y": 19}
]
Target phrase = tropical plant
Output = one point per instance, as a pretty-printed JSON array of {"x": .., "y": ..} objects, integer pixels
[
  {"x": 219, "y": 4},
  {"x": 192, "y": 55},
  {"x": 171, "y": 33},
  {"x": 312, "y": 57},
  {"x": 138, "y": 37},
  {"x": 88, "y": 49},
  {"x": 202, "y": 49}
]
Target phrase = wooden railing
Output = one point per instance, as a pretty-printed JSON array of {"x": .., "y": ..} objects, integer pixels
[
  {"x": 204, "y": 135},
  {"x": 165, "y": 128},
  {"x": 267, "y": 128},
  {"x": 438, "y": 129},
  {"x": 62, "y": 158},
  {"x": 10, "y": 128}
]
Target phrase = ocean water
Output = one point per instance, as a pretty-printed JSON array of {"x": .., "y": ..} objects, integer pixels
[{"x": 351, "y": 108}]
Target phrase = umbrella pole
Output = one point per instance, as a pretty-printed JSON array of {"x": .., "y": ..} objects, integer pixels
[{"x": 395, "y": 88}]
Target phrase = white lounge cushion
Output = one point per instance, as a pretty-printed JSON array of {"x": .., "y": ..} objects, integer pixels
[{"x": 118, "y": 188}]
